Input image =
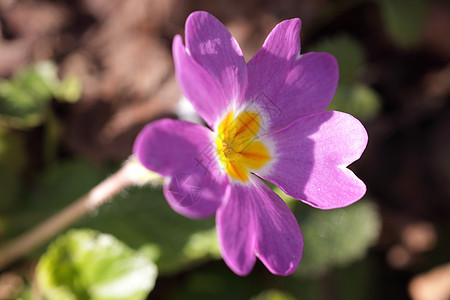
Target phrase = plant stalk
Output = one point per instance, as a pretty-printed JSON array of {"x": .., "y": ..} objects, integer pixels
[{"x": 48, "y": 229}]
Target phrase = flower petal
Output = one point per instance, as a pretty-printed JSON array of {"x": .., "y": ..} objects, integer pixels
[
  {"x": 183, "y": 153},
  {"x": 211, "y": 70},
  {"x": 213, "y": 47},
  {"x": 279, "y": 243},
  {"x": 236, "y": 230},
  {"x": 285, "y": 85},
  {"x": 200, "y": 88},
  {"x": 254, "y": 221},
  {"x": 267, "y": 70},
  {"x": 283, "y": 42},
  {"x": 311, "y": 156}
]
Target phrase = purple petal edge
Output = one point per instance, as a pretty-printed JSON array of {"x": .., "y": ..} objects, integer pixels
[
  {"x": 312, "y": 155},
  {"x": 211, "y": 70}
]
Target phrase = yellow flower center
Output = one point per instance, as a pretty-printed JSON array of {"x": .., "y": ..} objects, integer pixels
[{"x": 238, "y": 147}]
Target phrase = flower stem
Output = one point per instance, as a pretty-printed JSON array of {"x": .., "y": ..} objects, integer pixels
[{"x": 48, "y": 229}]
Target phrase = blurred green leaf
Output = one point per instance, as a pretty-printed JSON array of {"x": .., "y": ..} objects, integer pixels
[
  {"x": 53, "y": 131},
  {"x": 350, "y": 282},
  {"x": 26, "y": 293},
  {"x": 56, "y": 187},
  {"x": 404, "y": 20},
  {"x": 351, "y": 96},
  {"x": 25, "y": 98},
  {"x": 69, "y": 90},
  {"x": 348, "y": 53},
  {"x": 358, "y": 100},
  {"x": 355, "y": 281},
  {"x": 12, "y": 164},
  {"x": 85, "y": 264},
  {"x": 62, "y": 183},
  {"x": 142, "y": 217},
  {"x": 139, "y": 216},
  {"x": 273, "y": 295},
  {"x": 217, "y": 281},
  {"x": 336, "y": 237}
]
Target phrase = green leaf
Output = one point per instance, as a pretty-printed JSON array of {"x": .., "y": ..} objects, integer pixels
[
  {"x": 273, "y": 295},
  {"x": 19, "y": 108},
  {"x": 26, "y": 293},
  {"x": 38, "y": 80},
  {"x": 348, "y": 53},
  {"x": 55, "y": 188},
  {"x": 25, "y": 99},
  {"x": 358, "y": 100},
  {"x": 63, "y": 183},
  {"x": 69, "y": 90},
  {"x": 139, "y": 216},
  {"x": 351, "y": 96},
  {"x": 142, "y": 217},
  {"x": 85, "y": 264},
  {"x": 12, "y": 164},
  {"x": 217, "y": 281},
  {"x": 53, "y": 131},
  {"x": 336, "y": 237},
  {"x": 355, "y": 281},
  {"x": 404, "y": 20}
]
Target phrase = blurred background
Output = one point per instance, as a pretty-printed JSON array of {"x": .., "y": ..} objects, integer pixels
[{"x": 79, "y": 79}]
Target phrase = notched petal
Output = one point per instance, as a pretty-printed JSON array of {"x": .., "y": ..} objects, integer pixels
[{"x": 312, "y": 154}]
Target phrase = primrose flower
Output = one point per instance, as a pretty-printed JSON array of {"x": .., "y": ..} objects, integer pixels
[{"x": 266, "y": 120}]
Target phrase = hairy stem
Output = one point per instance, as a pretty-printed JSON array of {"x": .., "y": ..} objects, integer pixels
[{"x": 48, "y": 229}]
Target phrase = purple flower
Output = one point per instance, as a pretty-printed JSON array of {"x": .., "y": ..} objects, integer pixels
[{"x": 267, "y": 120}]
